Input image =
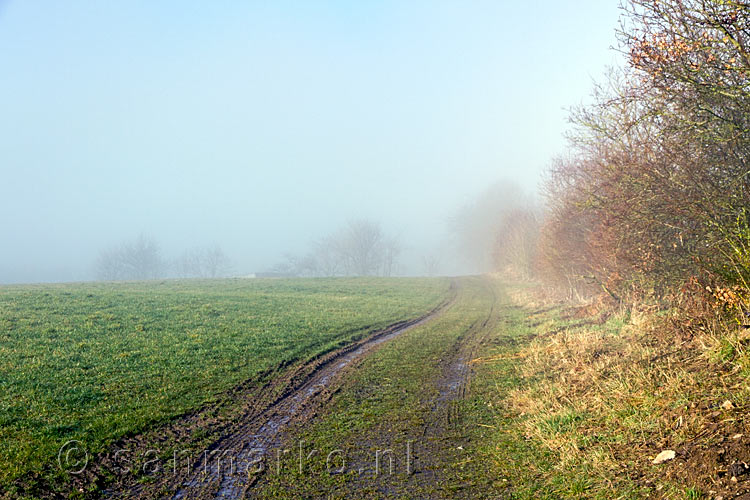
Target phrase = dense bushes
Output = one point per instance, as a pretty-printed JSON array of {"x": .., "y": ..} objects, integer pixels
[{"x": 655, "y": 190}]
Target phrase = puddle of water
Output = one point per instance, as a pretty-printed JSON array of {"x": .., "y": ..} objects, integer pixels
[{"x": 454, "y": 378}]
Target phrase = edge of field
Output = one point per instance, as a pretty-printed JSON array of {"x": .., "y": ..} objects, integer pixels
[
  {"x": 193, "y": 429},
  {"x": 561, "y": 401}
]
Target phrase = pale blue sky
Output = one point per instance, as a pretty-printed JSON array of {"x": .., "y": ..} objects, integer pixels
[{"x": 263, "y": 125}]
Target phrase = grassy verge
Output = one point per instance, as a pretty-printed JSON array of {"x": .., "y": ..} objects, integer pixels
[
  {"x": 530, "y": 432},
  {"x": 560, "y": 403},
  {"x": 94, "y": 362},
  {"x": 581, "y": 408}
]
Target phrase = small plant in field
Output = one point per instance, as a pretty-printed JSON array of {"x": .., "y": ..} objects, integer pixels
[
  {"x": 693, "y": 494},
  {"x": 727, "y": 351},
  {"x": 563, "y": 423}
]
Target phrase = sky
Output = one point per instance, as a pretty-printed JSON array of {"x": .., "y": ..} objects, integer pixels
[{"x": 262, "y": 126}]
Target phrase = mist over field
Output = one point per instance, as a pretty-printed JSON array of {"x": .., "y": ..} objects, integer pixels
[
  {"x": 259, "y": 128},
  {"x": 341, "y": 249}
]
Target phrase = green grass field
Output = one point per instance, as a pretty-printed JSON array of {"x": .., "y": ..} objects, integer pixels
[
  {"x": 94, "y": 362},
  {"x": 498, "y": 396}
]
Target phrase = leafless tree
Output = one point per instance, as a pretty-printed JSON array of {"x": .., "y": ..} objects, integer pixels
[
  {"x": 203, "y": 262},
  {"x": 516, "y": 244},
  {"x": 215, "y": 262},
  {"x": 361, "y": 247},
  {"x": 327, "y": 257},
  {"x": 136, "y": 260},
  {"x": 431, "y": 265},
  {"x": 391, "y": 251},
  {"x": 475, "y": 225}
]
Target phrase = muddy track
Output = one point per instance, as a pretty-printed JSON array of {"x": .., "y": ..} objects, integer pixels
[
  {"x": 452, "y": 385},
  {"x": 229, "y": 467},
  {"x": 441, "y": 431}
]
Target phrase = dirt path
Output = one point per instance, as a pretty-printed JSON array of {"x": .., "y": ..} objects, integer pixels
[
  {"x": 442, "y": 438},
  {"x": 440, "y": 434},
  {"x": 231, "y": 464},
  {"x": 397, "y": 427}
]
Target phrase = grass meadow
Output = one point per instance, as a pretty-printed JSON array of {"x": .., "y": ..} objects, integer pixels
[{"x": 97, "y": 361}]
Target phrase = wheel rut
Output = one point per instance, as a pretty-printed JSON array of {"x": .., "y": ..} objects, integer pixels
[
  {"x": 229, "y": 467},
  {"x": 438, "y": 440}
]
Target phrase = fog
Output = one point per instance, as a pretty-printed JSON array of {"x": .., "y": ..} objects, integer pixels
[{"x": 262, "y": 127}]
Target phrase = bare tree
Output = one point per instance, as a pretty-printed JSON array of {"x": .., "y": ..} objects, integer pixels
[
  {"x": 431, "y": 265},
  {"x": 203, "y": 262},
  {"x": 328, "y": 257},
  {"x": 516, "y": 244},
  {"x": 215, "y": 262},
  {"x": 136, "y": 260},
  {"x": 391, "y": 251},
  {"x": 361, "y": 246},
  {"x": 359, "y": 249},
  {"x": 475, "y": 226}
]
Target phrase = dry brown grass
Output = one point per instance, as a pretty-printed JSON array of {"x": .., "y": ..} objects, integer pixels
[{"x": 608, "y": 392}]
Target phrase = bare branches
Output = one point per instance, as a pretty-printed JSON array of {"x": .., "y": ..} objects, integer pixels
[
  {"x": 360, "y": 248},
  {"x": 135, "y": 260},
  {"x": 656, "y": 184}
]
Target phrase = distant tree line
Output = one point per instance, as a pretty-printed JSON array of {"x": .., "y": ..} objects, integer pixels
[
  {"x": 652, "y": 198},
  {"x": 141, "y": 259},
  {"x": 360, "y": 248}
]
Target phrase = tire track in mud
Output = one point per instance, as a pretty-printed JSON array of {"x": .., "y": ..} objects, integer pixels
[
  {"x": 437, "y": 436},
  {"x": 443, "y": 428},
  {"x": 226, "y": 469}
]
